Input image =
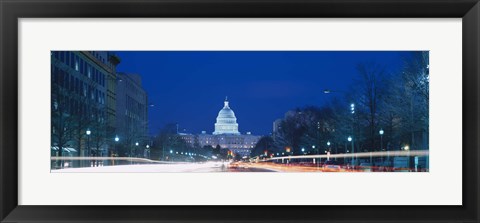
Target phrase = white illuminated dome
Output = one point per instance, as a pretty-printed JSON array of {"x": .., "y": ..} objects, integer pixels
[{"x": 226, "y": 121}]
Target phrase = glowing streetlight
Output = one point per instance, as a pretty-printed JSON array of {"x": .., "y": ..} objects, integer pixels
[
  {"x": 350, "y": 139},
  {"x": 381, "y": 138},
  {"x": 88, "y": 132},
  {"x": 328, "y": 143},
  {"x": 116, "y": 142}
]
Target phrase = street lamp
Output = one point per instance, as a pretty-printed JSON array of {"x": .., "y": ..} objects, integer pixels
[
  {"x": 350, "y": 139},
  {"x": 88, "y": 141},
  {"x": 136, "y": 148},
  {"x": 319, "y": 159},
  {"x": 381, "y": 142},
  {"x": 148, "y": 151},
  {"x": 381, "y": 138},
  {"x": 116, "y": 141},
  {"x": 328, "y": 143},
  {"x": 407, "y": 149}
]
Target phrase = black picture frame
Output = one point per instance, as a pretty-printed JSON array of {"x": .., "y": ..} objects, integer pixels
[{"x": 12, "y": 10}]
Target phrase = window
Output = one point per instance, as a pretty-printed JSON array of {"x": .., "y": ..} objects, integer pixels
[
  {"x": 67, "y": 80},
  {"x": 72, "y": 60},
  {"x": 81, "y": 66},
  {"x": 55, "y": 75},
  {"x": 77, "y": 87},
  {"x": 67, "y": 58},
  {"x": 76, "y": 63},
  {"x": 72, "y": 83}
]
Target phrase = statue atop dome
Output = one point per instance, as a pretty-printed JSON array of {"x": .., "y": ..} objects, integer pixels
[
  {"x": 226, "y": 121},
  {"x": 226, "y": 102}
]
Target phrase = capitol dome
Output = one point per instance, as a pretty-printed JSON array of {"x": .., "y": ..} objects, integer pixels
[{"x": 226, "y": 121}]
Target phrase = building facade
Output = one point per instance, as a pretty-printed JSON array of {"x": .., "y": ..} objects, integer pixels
[
  {"x": 226, "y": 134},
  {"x": 83, "y": 110},
  {"x": 226, "y": 121},
  {"x": 131, "y": 109}
]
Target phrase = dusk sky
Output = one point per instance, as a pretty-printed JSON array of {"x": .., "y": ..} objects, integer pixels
[{"x": 189, "y": 88}]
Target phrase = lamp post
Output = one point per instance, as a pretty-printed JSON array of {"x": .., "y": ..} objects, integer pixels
[
  {"x": 350, "y": 139},
  {"x": 381, "y": 142},
  {"x": 407, "y": 148},
  {"x": 116, "y": 141},
  {"x": 381, "y": 138},
  {"x": 88, "y": 132},
  {"x": 115, "y": 149},
  {"x": 136, "y": 148},
  {"x": 328, "y": 144},
  {"x": 147, "y": 151},
  {"x": 313, "y": 148}
]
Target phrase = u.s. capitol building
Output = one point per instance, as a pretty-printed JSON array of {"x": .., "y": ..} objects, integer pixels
[{"x": 226, "y": 134}]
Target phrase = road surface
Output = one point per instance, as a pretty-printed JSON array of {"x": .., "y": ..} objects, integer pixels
[{"x": 207, "y": 167}]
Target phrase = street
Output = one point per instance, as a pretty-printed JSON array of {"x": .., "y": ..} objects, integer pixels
[{"x": 163, "y": 168}]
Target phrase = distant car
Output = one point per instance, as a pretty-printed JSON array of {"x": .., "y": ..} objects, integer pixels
[
  {"x": 331, "y": 165},
  {"x": 366, "y": 167}
]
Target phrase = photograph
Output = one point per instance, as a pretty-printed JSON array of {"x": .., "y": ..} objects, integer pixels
[{"x": 239, "y": 111}]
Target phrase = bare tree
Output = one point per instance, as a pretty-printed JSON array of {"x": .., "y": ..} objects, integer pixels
[
  {"x": 371, "y": 90},
  {"x": 416, "y": 77},
  {"x": 62, "y": 120}
]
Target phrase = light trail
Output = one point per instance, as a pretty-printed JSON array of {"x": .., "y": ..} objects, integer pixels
[
  {"x": 356, "y": 155},
  {"x": 151, "y": 168},
  {"x": 103, "y": 158}
]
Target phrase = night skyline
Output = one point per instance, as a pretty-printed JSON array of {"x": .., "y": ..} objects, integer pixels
[
  {"x": 188, "y": 87},
  {"x": 293, "y": 111}
]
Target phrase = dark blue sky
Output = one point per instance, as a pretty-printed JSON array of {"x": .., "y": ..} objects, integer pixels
[{"x": 188, "y": 88}]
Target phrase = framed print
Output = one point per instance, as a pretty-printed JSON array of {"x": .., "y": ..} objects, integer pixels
[{"x": 239, "y": 111}]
